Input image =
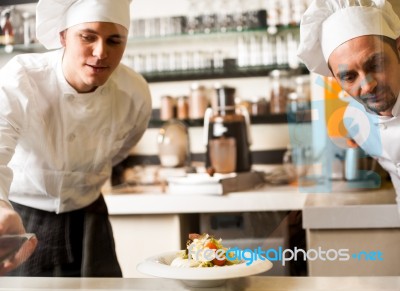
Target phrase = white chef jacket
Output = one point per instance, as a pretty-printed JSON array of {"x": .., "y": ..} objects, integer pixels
[
  {"x": 57, "y": 146},
  {"x": 379, "y": 136}
]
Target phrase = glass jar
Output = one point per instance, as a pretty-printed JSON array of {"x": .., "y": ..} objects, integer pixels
[
  {"x": 259, "y": 107},
  {"x": 182, "y": 105},
  {"x": 173, "y": 144},
  {"x": 297, "y": 102},
  {"x": 280, "y": 88},
  {"x": 302, "y": 86},
  {"x": 198, "y": 101},
  {"x": 168, "y": 108}
]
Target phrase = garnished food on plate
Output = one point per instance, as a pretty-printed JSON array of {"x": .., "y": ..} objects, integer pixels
[{"x": 203, "y": 250}]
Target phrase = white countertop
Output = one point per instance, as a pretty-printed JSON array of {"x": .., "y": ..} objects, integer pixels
[
  {"x": 250, "y": 283},
  {"x": 153, "y": 201},
  {"x": 363, "y": 209},
  {"x": 369, "y": 208}
]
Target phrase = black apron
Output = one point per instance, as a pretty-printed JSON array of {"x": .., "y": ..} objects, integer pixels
[{"x": 79, "y": 243}]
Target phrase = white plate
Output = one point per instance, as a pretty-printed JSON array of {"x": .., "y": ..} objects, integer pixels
[
  {"x": 193, "y": 179},
  {"x": 159, "y": 266},
  {"x": 199, "y": 178}
]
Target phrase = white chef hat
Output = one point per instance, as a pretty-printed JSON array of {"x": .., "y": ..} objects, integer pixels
[
  {"x": 329, "y": 23},
  {"x": 53, "y": 16}
]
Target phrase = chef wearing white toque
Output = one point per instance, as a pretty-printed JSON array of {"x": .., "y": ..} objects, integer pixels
[
  {"x": 66, "y": 117},
  {"x": 55, "y": 16},
  {"x": 357, "y": 42}
]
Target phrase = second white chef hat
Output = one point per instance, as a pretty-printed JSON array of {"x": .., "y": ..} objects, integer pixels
[
  {"x": 53, "y": 16},
  {"x": 329, "y": 23}
]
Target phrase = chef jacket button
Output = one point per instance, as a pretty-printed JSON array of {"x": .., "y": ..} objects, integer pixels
[
  {"x": 104, "y": 91},
  {"x": 71, "y": 137},
  {"x": 383, "y": 126},
  {"x": 70, "y": 97},
  {"x": 106, "y": 131}
]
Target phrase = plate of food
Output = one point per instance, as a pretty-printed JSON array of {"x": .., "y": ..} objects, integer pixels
[{"x": 204, "y": 263}]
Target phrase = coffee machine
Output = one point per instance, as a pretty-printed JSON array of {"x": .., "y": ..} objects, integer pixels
[{"x": 227, "y": 134}]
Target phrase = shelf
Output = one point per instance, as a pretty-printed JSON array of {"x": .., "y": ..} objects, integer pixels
[
  {"x": 213, "y": 34},
  {"x": 231, "y": 72},
  {"x": 16, "y": 2},
  {"x": 300, "y": 117},
  {"x": 21, "y": 48}
]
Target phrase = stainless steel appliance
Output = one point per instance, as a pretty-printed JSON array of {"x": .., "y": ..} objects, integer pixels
[{"x": 227, "y": 134}]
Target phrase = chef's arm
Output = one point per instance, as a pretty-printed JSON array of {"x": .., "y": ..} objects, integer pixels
[
  {"x": 5, "y": 204},
  {"x": 10, "y": 221}
]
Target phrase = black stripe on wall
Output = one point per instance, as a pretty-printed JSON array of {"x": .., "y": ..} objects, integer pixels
[
  {"x": 15, "y": 2},
  {"x": 258, "y": 157}
]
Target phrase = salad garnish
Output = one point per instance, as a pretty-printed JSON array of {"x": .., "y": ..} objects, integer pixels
[{"x": 203, "y": 250}]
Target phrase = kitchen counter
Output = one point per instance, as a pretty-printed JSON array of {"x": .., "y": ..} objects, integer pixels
[
  {"x": 342, "y": 214},
  {"x": 364, "y": 223},
  {"x": 153, "y": 201},
  {"x": 250, "y": 283},
  {"x": 362, "y": 209}
]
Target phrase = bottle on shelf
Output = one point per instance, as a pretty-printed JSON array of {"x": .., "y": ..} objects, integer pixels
[
  {"x": 280, "y": 88},
  {"x": 198, "y": 101},
  {"x": 182, "y": 107},
  {"x": 168, "y": 108},
  {"x": 7, "y": 28}
]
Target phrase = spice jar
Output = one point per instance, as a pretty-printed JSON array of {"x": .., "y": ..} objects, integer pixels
[
  {"x": 259, "y": 107},
  {"x": 168, "y": 108},
  {"x": 198, "y": 101},
  {"x": 303, "y": 87},
  {"x": 182, "y": 105},
  {"x": 297, "y": 102},
  {"x": 280, "y": 88}
]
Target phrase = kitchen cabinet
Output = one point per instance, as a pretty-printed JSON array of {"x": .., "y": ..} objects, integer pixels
[{"x": 365, "y": 225}]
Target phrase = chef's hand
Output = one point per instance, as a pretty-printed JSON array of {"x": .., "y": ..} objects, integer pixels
[{"x": 11, "y": 223}]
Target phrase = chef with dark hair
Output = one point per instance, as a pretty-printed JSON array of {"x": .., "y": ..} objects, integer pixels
[{"x": 358, "y": 43}]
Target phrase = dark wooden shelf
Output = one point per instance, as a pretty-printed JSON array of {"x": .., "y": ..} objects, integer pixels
[
  {"x": 299, "y": 117},
  {"x": 16, "y": 2},
  {"x": 231, "y": 72}
]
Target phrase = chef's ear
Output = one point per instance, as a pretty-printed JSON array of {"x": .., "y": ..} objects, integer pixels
[{"x": 63, "y": 35}]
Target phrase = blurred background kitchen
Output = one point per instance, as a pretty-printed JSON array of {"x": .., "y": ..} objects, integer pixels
[{"x": 230, "y": 96}]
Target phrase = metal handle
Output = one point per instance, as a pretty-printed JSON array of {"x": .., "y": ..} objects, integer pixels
[
  {"x": 207, "y": 115},
  {"x": 243, "y": 110}
]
